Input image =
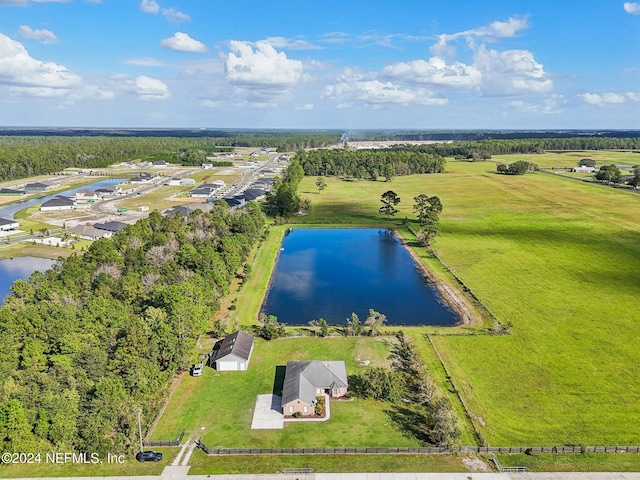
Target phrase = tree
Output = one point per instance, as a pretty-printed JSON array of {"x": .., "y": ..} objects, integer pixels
[
  {"x": 635, "y": 181},
  {"x": 428, "y": 210},
  {"x": 324, "y": 328},
  {"x": 353, "y": 326},
  {"x": 272, "y": 329},
  {"x": 375, "y": 321},
  {"x": 421, "y": 208},
  {"x": 389, "y": 200},
  {"x": 445, "y": 431},
  {"x": 382, "y": 384},
  {"x": 321, "y": 184},
  {"x": 609, "y": 173},
  {"x": 587, "y": 162}
]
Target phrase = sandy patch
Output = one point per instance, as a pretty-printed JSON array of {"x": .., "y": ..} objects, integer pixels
[{"x": 448, "y": 295}]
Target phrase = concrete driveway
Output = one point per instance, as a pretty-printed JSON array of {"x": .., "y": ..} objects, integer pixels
[{"x": 268, "y": 413}]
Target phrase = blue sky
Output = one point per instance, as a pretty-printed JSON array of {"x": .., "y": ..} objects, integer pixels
[{"x": 424, "y": 64}]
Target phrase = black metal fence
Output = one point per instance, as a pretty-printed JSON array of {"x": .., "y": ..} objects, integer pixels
[
  {"x": 416, "y": 450},
  {"x": 165, "y": 443}
]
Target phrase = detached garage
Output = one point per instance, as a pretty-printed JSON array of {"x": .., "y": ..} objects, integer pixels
[{"x": 234, "y": 352}]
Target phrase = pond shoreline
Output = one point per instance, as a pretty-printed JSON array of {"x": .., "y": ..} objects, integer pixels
[
  {"x": 444, "y": 295},
  {"x": 448, "y": 296}
]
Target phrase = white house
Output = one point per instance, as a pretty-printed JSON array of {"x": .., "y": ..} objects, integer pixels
[
  {"x": 58, "y": 203},
  {"x": 173, "y": 182},
  {"x": 584, "y": 169},
  {"x": 6, "y": 224},
  {"x": 207, "y": 166},
  {"x": 234, "y": 352},
  {"x": 84, "y": 196}
]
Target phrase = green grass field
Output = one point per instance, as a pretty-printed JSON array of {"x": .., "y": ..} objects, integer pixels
[
  {"x": 557, "y": 258},
  {"x": 218, "y": 407},
  {"x": 571, "y": 159}
]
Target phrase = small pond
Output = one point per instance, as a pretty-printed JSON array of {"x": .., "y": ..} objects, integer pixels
[
  {"x": 330, "y": 273},
  {"x": 16, "y": 268}
]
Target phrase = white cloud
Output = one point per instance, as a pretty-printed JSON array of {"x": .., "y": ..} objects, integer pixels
[
  {"x": 511, "y": 72},
  {"x": 306, "y": 106},
  {"x": 353, "y": 86},
  {"x": 632, "y": 7},
  {"x": 175, "y": 16},
  {"x": 144, "y": 62},
  {"x": 603, "y": 98},
  {"x": 18, "y": 68},
  {"x": 263, "y": 67},
  {"x": 633, "y": 96},
  {"x": 43, "y": 92},
  {"x": 44, "y": 36},
  {"x": 291, "y": 43},
  {"x": 149, "y": 88},
  {"x": 149, "y": 6},
  {"x": 549, "y": 105},
  {"x": 181, "y": 42},
  {"x": 435, "y": 71},
  {"x": 487, "y": 33}
]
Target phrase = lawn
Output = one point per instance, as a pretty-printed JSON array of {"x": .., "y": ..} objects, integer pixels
[
  {"x": 570, "y": 159},
  {"x": 130, "y": 467},
  {"x": 256, "y": 464},
  {"x": 218, "y": 407},
  {"x": 559, "y": 260}
]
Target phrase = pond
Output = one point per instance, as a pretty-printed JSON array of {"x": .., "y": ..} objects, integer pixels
[
  {"x": 13, "y": 269},
  {"x": 330, "y": 273}
]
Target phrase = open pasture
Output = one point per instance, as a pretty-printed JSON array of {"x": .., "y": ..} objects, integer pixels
[{"x": 560, "y": 261}]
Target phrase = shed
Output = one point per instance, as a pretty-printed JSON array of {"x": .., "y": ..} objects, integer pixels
[{"x": 233, "y": 353}]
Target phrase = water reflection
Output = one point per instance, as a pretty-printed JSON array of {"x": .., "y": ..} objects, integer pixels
[
  {"x": 330, "y": 273},
  {"x": 13, "y": 269}
]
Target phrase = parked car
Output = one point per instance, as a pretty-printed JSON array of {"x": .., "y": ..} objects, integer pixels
[
  {"x": 196, "y": 371},
  {"x": 149, "y": 456}
]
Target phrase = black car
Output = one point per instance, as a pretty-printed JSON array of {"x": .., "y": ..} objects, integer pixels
[{"x": 149, "y": 455}]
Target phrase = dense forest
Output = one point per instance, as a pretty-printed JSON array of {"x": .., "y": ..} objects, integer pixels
[
  {"x": 369, "y": 164},
  {"x": 478, "y": 150},
  {"x": 27, "y": 156},
  {"x": 88, "y": 343}
]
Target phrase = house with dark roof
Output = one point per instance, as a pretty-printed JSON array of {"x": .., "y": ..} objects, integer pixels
[
  {"x": 304, "y": 381},
  {"x": 37, "y": 187},
  {"x": 89, "y": 233},
  {"x": 6, "y": 224},
  {"x": 233, "y": 353},
  {"x": 10, "y": 192},
  {"x": 58, "y": 203},
  {"x": 144, "y": 178},
  {"x": 112, "y": 227}
]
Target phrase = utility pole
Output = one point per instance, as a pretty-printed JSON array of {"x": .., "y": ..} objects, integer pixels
[{"x": 140, "y": 429}]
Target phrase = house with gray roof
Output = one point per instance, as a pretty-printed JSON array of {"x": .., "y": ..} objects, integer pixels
[
  {"x": 58, "y": 203},
  {"x": 112, "y": 227},
  {"x": 89, "y": 233},
  {"x": 304, "y": 381},
  {"x": 7, "y": 224},
  {"x": 233, "y": 353}
]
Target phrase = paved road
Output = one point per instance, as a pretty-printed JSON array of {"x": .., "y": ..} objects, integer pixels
[{"x": 180, "y": 473}]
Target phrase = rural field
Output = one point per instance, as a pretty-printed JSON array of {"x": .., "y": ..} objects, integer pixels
[{"x": 559, "y": 260}]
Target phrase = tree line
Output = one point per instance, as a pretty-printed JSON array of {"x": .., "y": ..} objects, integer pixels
[
  {"x": 420, "y": 408},
  {"x": 368, "y": 164},
  {"x": 89, "y": 342}
]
